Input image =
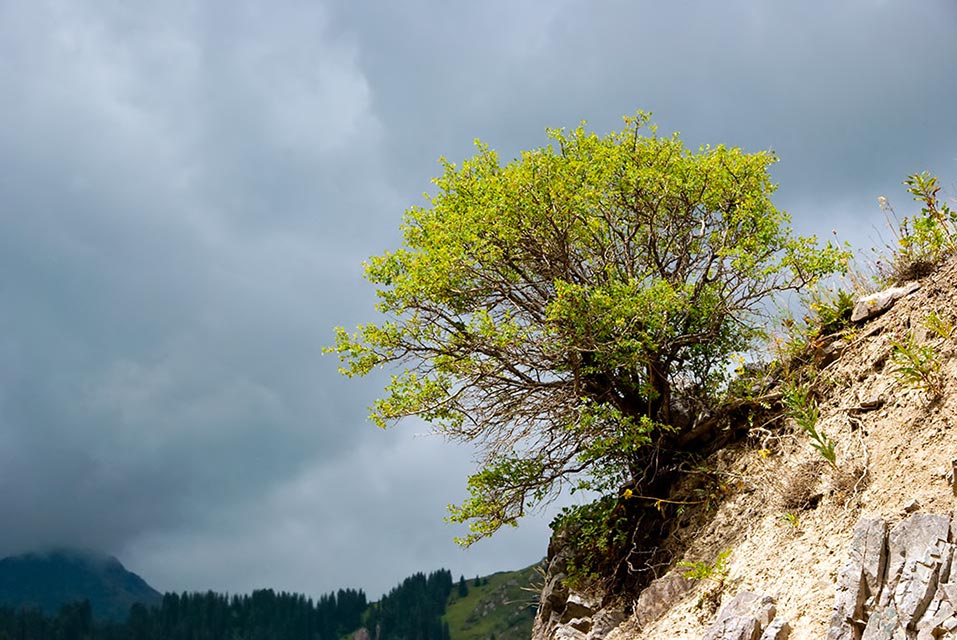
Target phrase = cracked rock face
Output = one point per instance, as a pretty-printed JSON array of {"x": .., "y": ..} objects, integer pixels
[
  {"x": 566, "y": 615},
  {"x": 748, "y": 617},
  {"x": 659, "y": 596},
  {"x": 900, "y": 583}
]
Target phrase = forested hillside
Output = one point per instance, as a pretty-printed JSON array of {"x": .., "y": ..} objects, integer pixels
[
  {"x": 413, "y": 610},
  {"x": 421, "y": 607},
  {"x": 498, "y": 607}
]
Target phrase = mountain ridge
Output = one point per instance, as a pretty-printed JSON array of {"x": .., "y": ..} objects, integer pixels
[{"x": 47, "y": 580}]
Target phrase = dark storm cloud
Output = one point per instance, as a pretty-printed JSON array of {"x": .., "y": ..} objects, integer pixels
[
  {"x": 187, "y": 189},
  {"x": 853, "y": 96},
  {"x": 162, "y": 265}
]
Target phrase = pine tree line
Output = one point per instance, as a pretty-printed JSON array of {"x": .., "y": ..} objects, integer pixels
[
  {"x": 262, "y": 615},
  {"x": 411, "y": 611}
]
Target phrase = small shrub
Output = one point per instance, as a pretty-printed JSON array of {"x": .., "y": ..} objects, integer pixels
[
  {"x": 797, "y": 342},
  {"x": 831, "y": 309},
  {"x": 927, "y": 238},
  {"x": 916, "y": 366}
]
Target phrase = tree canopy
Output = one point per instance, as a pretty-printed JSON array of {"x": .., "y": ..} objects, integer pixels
[{"x": 564, "y": 309}]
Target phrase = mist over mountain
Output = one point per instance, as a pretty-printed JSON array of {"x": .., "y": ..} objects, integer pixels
[{"x": 49, "y": 580}]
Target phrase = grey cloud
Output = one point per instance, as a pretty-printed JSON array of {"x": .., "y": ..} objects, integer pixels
[
  {"x": 166, "y": 320},
  {"x": 312, "y": 524}
]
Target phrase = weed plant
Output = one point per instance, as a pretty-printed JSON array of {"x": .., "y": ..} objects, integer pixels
[
  {"x": 705, "y": 571},
  {"x": 916, "y": 366},
  {"x": 801, "y": 407}
]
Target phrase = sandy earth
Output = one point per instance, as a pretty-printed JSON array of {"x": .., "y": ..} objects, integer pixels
[{"x": 906, "y": 445}]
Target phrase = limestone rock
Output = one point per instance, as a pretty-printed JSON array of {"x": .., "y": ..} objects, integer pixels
[
  {"x": 779, "y": 629},
  {"x": 877, "y": 303},
  {"x": 899, "y": 584},
  {"x": 746, "y": 617},
  {"x": 660, "y": 596},
  {"x": 604, "y": 621},
  {"x": 566, "y": 615},
  {"x": 578, "y": 606},
  {"x": 860, "y": 579}
]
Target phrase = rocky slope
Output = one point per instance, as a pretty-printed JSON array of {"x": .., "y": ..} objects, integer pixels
[{"x": 860, "y": 549}]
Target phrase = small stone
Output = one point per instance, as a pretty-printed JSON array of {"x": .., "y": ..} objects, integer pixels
[
  {"x": 873, "y": 401},
  {"x": 877, "y": 303},
  {"x": 912, "y": 506}
]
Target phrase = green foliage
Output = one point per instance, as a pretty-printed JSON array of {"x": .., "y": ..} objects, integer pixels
[
  {"x": 927, "y": 238},
  {"x": 597, "y": 533},
  {"x": 553, "y": 309},
  {"x": 797, "y": 342},
  {"x": 830, "y": 308},
  {"x": 916, "y": 365},
  {"x": 801, "y": 407},
  {"x": 717, "y": 571}
]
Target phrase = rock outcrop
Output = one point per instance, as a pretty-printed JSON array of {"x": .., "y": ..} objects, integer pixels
[
  {"x": 659, "y": 596},
  {"x": 564, "y": 614},
  {"x": 749, "y": 617},
  {"x": 900, "y": 582}
]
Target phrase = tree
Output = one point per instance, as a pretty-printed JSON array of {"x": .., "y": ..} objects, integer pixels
[{"x": 560, "y": 309}]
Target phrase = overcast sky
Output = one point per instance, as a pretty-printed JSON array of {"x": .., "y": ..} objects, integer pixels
[{"x": 187, "y": 190}]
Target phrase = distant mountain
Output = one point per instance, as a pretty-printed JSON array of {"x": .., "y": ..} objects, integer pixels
[{"x": 47, "y": 581}]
